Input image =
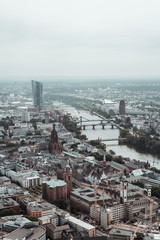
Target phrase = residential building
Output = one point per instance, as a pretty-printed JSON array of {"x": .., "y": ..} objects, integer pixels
[
  {"x": 39, "y": 208},
  {"x": 54, "y": 219},
  {"x": 86, "y": 229},
  {"x": 54, "y": 232}
]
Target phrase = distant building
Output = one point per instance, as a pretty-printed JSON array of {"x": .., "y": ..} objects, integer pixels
[
  {"x": 25, "y": 117},
  {"x": 46, "y": 117},
  {"x": 122, "y": 108},
  {"x": 37, "y": 92}
]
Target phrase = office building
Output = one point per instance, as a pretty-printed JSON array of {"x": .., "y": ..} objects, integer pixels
[
  {"x": 37, "y": 92},
  {"x": 122, "y": 110}
]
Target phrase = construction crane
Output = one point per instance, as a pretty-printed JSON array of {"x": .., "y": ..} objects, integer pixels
[
  {"x": 95, "y": 197},
  {"x": 119, "y": 189},
  {"x": 151, "y": 205},
  {"x": 134, "y": 234},
  {"x": 97, "y": 187},
  {"x": 103, "y": 192}
]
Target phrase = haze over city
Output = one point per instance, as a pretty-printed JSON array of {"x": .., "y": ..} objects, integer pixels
[{"x": 114, "y": 39}]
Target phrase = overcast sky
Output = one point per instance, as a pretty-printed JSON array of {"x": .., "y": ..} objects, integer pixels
[{"x": 112, "y": 38}]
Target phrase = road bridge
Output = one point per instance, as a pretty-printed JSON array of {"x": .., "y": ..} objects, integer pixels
[
  {"x": 100, "y": 122},
  {"x": 112, "y": 139}
]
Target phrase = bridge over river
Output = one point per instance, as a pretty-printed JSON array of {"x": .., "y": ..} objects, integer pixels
[{"x": 84, "y": 122}]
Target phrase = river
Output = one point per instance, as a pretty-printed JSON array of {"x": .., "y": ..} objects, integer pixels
[{"x": 109, "y": 133}]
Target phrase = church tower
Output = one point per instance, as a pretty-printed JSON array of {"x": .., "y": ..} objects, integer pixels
[
  {"x": 68, "y": 179},
  {"x": 104, "y": 162},
  {"x": 54, "y": 145},
  {"x": 123, "y": 191}
]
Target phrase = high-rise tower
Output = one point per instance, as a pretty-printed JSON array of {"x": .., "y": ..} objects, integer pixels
[
  {"x": 122, "y": 108},
  {"x": 37, "y": 92}
]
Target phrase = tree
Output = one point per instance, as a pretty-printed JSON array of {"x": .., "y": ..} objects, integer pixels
[
  {"x": 109, "y": 157},
  {"x": 61, "y": 204},
  {"x": 75, "y": 208},
  {"x": 81, "y": 137},
  {"x": 119, "y": 160},
  {"x": 31, "y": 218},
  {"x": 7, "y": 212},
  {"x": 111, "y": 152},
  {"x": 97, "y": 156},
  {"x": 23, "y": 142},
  {"x": 138, "y": 183},
  {"x": 139, "y": 236},
  {"x": 155, "y": 191}
]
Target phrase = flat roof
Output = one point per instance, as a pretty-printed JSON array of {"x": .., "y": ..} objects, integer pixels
[
  {"x": 120, "y": 232},
  {"x": 8, "y": 203},
  {"x": 87, "y": 194},
  {"x": 19, "y": 233},
  {"x": 36, "y": 206},
  {"x": 45, "y": 217},
  {"x": 55, "y": 183},
  {"x": 80, "y": 223}
]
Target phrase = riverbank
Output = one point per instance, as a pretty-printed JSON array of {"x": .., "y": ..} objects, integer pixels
[
  {"x": 142, "y": 144},
  {"x": 145, "y": 144},
  {"x": 120, "y": 150}
]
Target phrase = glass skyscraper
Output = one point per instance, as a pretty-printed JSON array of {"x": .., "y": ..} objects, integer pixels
[{"x": 37, "y": 92}]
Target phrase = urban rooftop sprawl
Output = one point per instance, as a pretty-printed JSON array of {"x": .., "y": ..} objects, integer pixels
[{"x": 56, "y": 183}]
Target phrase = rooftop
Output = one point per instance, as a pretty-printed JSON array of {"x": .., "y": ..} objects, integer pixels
[
  {"x": 116, "y": 231},
  {"x": 21, "y": 232},
  {"x": 55, "y": 183},
  {"x": 116, "y": 165},
  {"x": 35, "y": 206},
  {"x": 80, "y": 223},
  {"x": 87, "y": 193}
]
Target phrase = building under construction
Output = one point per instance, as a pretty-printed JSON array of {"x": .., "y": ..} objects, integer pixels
[
  {"x": 84, "y": 197},
  {"x": 123, "y": 205}
]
